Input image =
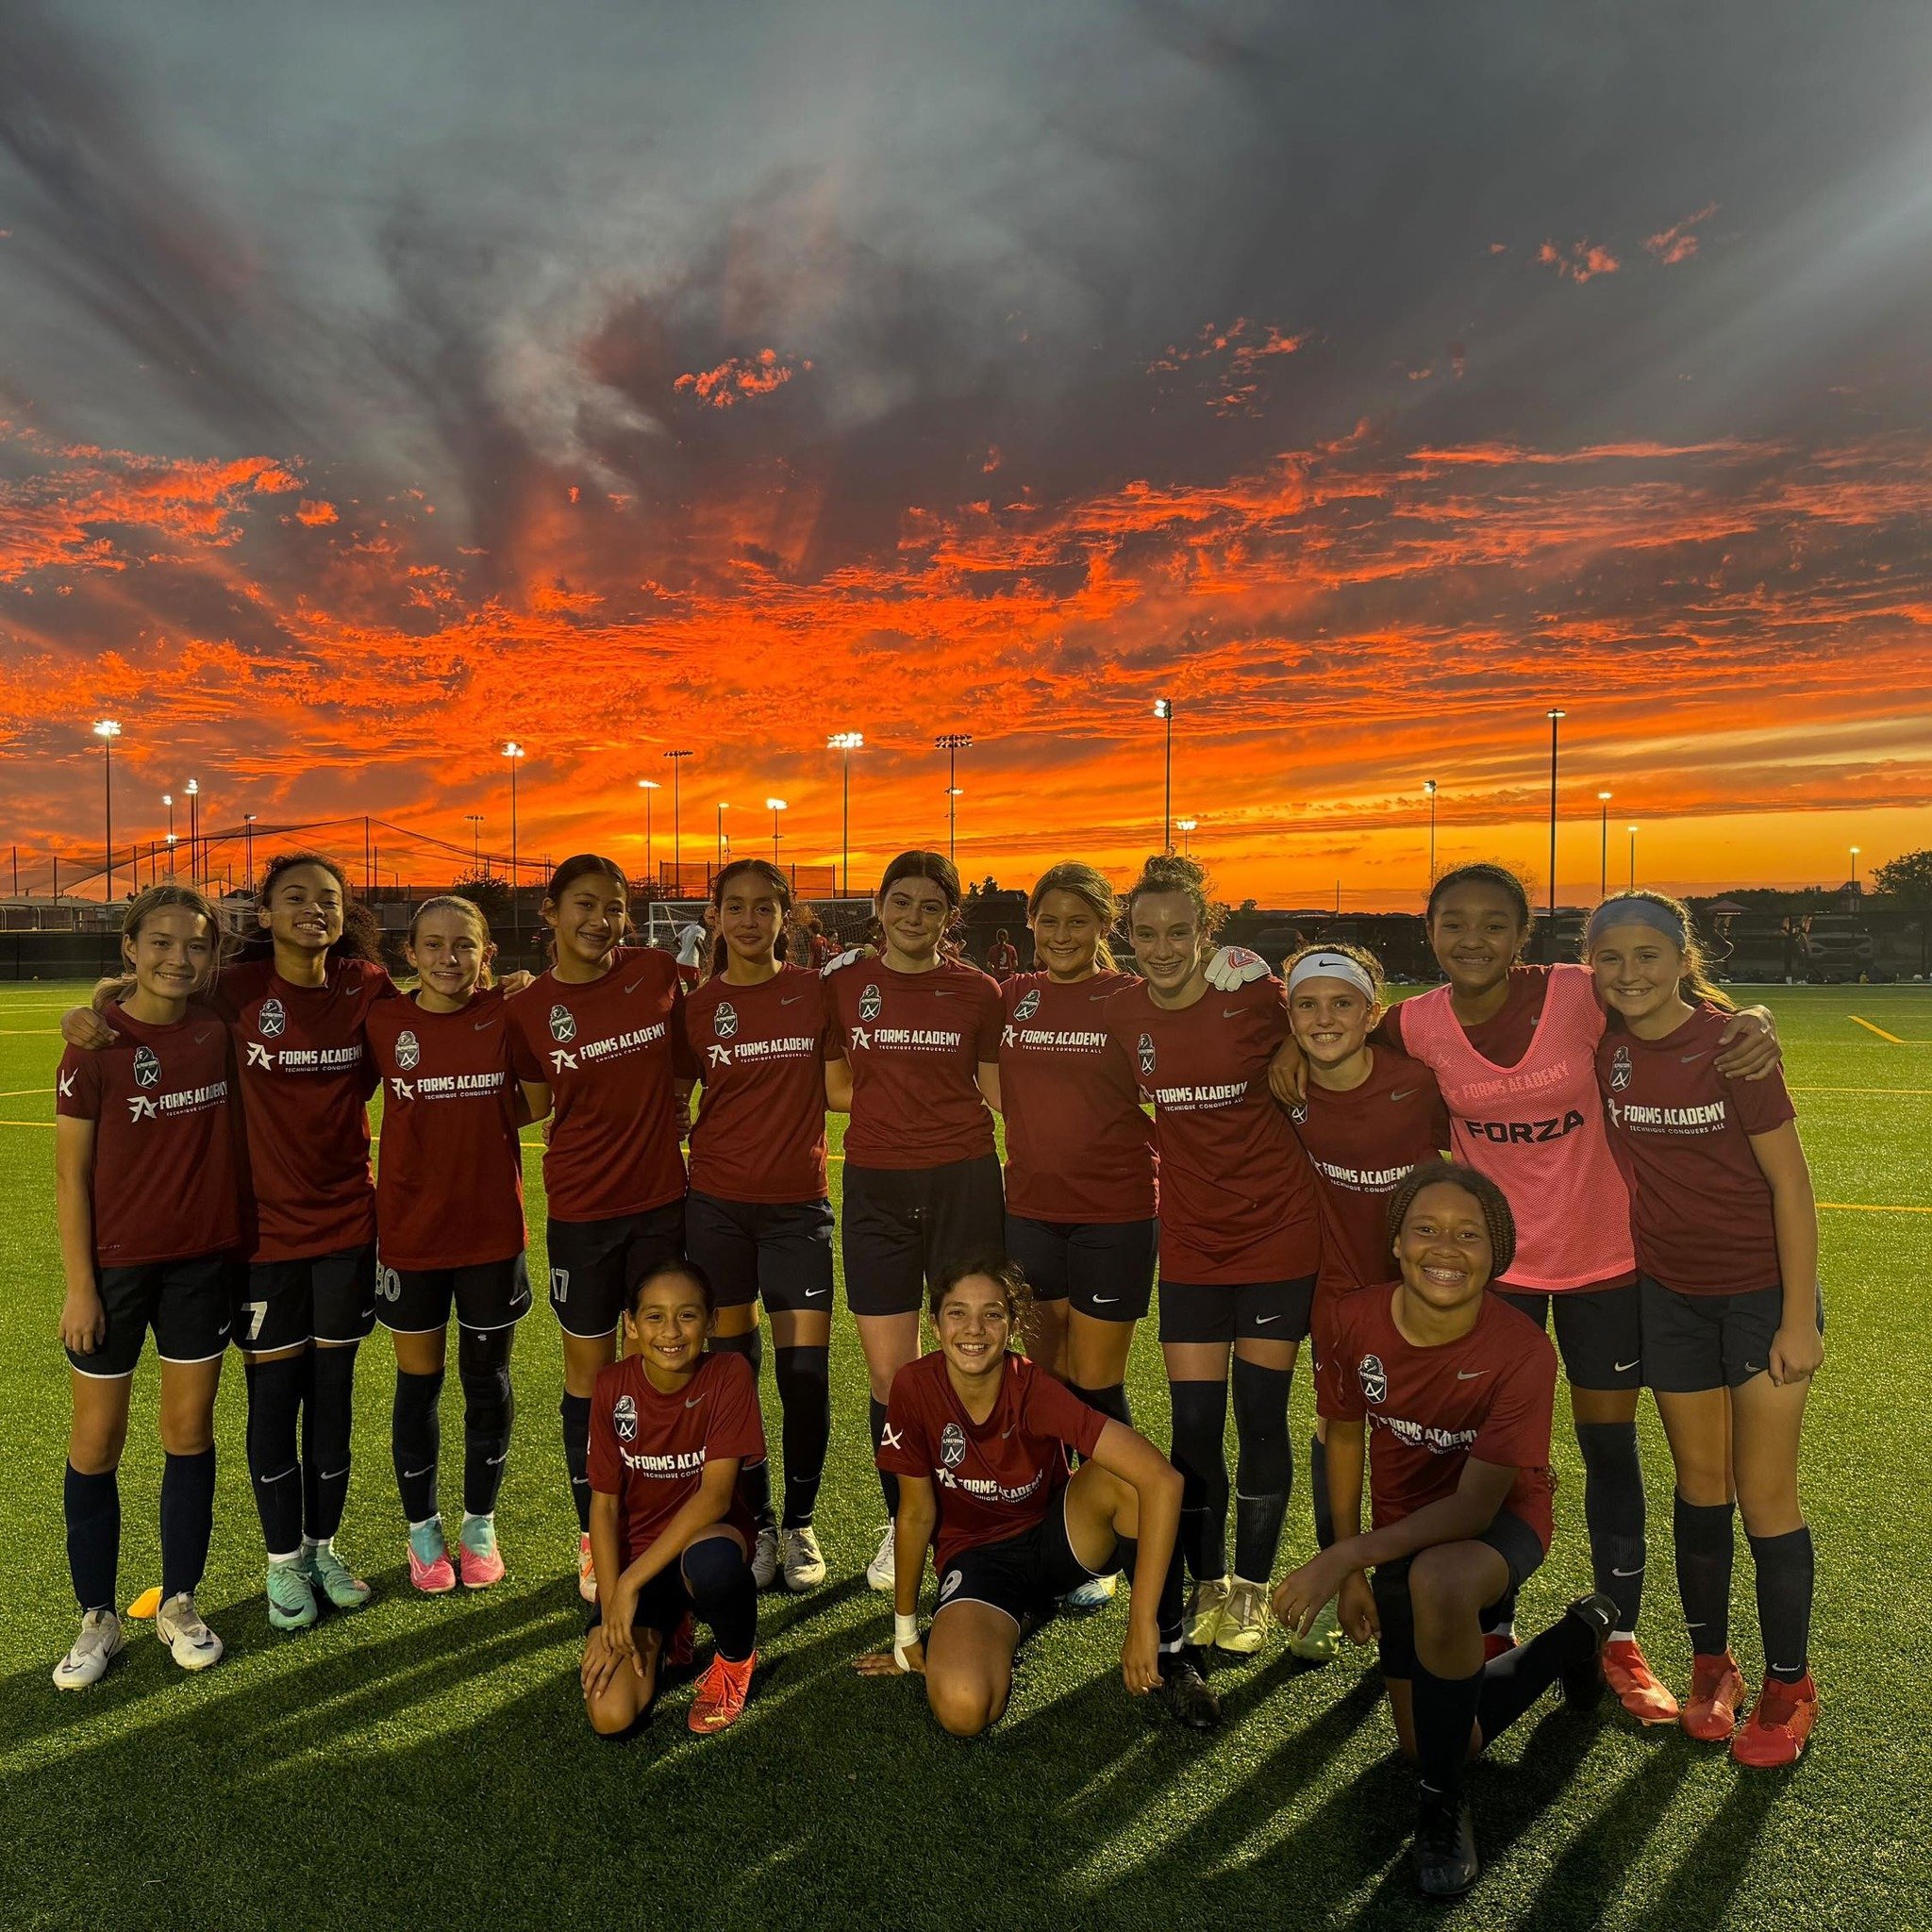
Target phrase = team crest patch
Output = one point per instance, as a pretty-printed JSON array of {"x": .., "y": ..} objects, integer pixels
[
  {"x": 147, "y": 1069},
  {"x": 1620, "y": 1069},
  {"x": 563, "y": 1025},
  {"x": 724, "y": 1021},
  {"x": 623, "y": 1419},
  {"x": 869, "y": 1002},
  {"x": 952, "y": 1581},
  {"x": 1298, "y": 1113},
  {"x": 409, "y": 1051},
  {"x": 1146, "y": 1052},
  {"x": 1029, "y": 1005},
  {"x": 1374, "y": 1378},
  {"x": 272, "y": 1021},
  {"x": 952, "y": 1445}
]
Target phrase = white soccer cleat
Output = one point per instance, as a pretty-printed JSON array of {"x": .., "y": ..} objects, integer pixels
[
  {"x": 1246, "y": 1620},
  {"x": 99, "y": 1643},
  {"x": 764, "y": 1559},
  {"x": 1206, "y": 1604},
  {"x": 882, "y": 1572},
  {"x": 190, "y": 1641},
  {"x": 805, "y": 1562}
]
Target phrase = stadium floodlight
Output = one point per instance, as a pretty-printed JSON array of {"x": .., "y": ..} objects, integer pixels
[
  {"x": 723, "y": 808},
  {"x": 847, "y": 742},
  {"x": 1603, "y": 884},
  {"x": 1163, "y": 709},
  {"x": 1430, "y": 786},
  {"x": 1855, "y": 868},
  {"x": 678, "y": 759},
  {"x": 1556, "y": 717},
  {"x": 647, "y": 786},
  {"x": 1632, "y": 830},
  {"x": 1184, "y": 826},
  {"x": 953, "y": 743},
  {"x": 194, "y": 852},
  {"x": 514, "y": 753},
  {"x": 248, "y": 819},
  {"x": 107, "y": 730},
  {"x": 774, "y": 805}
]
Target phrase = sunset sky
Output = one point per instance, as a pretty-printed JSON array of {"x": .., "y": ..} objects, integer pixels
[{"x": 377, "y": 383}]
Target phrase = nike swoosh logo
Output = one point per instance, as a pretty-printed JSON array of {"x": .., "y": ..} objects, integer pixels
[
  {"x": 481, "y": 1023},
  {"x": 1262, "y": 1321},
  {"x": 1622, "y": 1366},
  {"x": 812, "y": 1292},
  {"x": 792, "y": 1000},
  {"x": 412, "y": 1473},
  {"x": 693, "y": 1401},
  {"x": 1099, "y": 1298},
  {"x": 634, "y": 985},
  {"x": 1753, "y": 1368},
  {"x": 1638, "y": 1571},
  {"x": 1232, "y": 1012},
  {"x": 1686, "y": 1059},
  {"x": 1405, "y": 1093},
  {"x": 1469, "y": 1374}
]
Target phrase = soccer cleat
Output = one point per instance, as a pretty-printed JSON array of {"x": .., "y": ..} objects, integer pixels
[
  {"x": 190, "y": 1641},
  {"x": 99, "y": 1643},
  {"x": 804, "y": 1562},
  {"x": 720, "y": 1694},
  {"x": 882, "y": 1572},
  {"x": 1191, "y": 1700},
  {"x": 430, "y": 1569},
  {"x": 586, "y": 1570},
  {"x": 1497, "y": 1643},
  {"x": 482, "y": 1561},
  {"x": 1323, "y": 1644},
  {"x": 1717, "y": 1688},
  {"x": 1207, "y": 1601},
  {"x": 1626, "y": 1672},
  {"x": 1446, "y": 1863},
  {"x": 1246, "y": 1619},
  {"x": 1084, "y": 1599},
  {"x": 679, "y": 1646},
  {"x": 764, "y": 1557},
  {"x": 327, "y": 1573},
  {"x": 1779, "y": 1725},
  {"x": 291, "y": 1597},
  {"x": 1583, "y": 1681}
]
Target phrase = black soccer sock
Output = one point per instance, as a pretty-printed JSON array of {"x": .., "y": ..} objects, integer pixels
[
  {"x": 489, "y": 1410},
  {"x": 93, "y": 1506},
  {"x": 889, "y": 1483},
  {"x": 751, "y": 1345},
  {"x": 1111, "y": 1402},
  {"x": 328, "y": 1421},
  {"x": 274, "y": 1473},
  {"x": 1509, "y": 1684},
  {"x": 1613, "y": 1511},
  {"x": 1706, "y": 1542},
  {"x": 1445, "y": 1713},
  {"x": 1171, "y": 1610},
  {"x": 1200, "y": 1420},
  {"x": 723, "y": 1594},
  {"x": 805, "y": 1396},
  {"x": 1318, "y": 1492},
  {"x": 415, "y": 1441},
  {"x": 575, "y": 1411},
  {"x": 1785, "y": 1568},
  {"x": 188, "y": 1520},
  {"x": 1500, "y": 1615},
  {"x": 1264, "y": 1473},
  {"x": 754, "y": 1487}
]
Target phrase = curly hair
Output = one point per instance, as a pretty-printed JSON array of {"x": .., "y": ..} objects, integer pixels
[
  {"x": 1168, "y": 871},
  {"x": 1005, "y": 1275},
  {"x": 1359, "y": 955},
  {"x": 1497, "y": 1218},
  {"x": 361, "y": 935}
]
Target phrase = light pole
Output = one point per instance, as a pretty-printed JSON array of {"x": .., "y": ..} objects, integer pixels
[
  {"x": 678, "y": 759},
  {"x": 1603, "y": 883},
  {"x": 1556, "y": 716},
  {"x": 647, "y": 786},
  {"x": 723, "y": 808},
  {"x": 475, "y": 821},
  {"x": 168, "y": 799},
  {"x": 1430, "y": 786},
  {"x": 107, "y": 730},
  {"x": 514, "y": 753},
  {"x": 1163, "y": 709},
  {"x": 248, "y": 819},
  {"x": 953, "y": 743},
  {"x": 774, "y": 805},
  {"x": 1186, "y": 825},
  {"x": 1855, "y": 855},
  {"x": 848, "y": 743},
  {"x": 193, "y": 824},
  {"x": 1632, "y": 830}
]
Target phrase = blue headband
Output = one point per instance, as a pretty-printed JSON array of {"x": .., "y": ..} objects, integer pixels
[{"x": 1636, "y": 912}]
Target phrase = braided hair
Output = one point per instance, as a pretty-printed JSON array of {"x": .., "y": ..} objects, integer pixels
[{"x": 1497, "y": 1218}]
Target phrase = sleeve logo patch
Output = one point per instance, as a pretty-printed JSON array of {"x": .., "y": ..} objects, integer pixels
[
  {"x": 563, "y": 1025},
  {"x": 1374, "y": 1378}
]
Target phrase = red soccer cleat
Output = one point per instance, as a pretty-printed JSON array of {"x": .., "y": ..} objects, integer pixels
[
  {"x": 677, "y": 1646},
  {"x": 1497, "y": 1643},
  {"x": 1717, "y": 1688},
  {"x": 1778, "y": 1728},
  {"x": 1629, "y": 1678},
  {"x": 720, "y": 1694}
]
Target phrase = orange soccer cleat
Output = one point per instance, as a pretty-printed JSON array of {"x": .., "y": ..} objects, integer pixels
[
  {"x": 1717, "y": 1688},
  {"x": 720, "y": 1694},
  {"x": 1629, "y": 1678},
  {"x": 1778, "y": 1728}
]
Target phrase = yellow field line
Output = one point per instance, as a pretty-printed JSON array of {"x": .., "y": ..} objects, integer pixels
[
  {"x": 1921, "y": 1093},
  {"x": 1871, "y": 1207},
  {"x": 1879, "y": 1030},
  {"x": 26, "y": 1123},
  {"x": 20, "y": 1092},
  {"x": 29, "y": 1032}
]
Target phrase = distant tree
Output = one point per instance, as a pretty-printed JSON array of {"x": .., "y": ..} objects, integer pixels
[
  {"x": 1906, "y": 879},
  {"x": 1249, "y": 906},
  {"x": 490, "y": 895}
]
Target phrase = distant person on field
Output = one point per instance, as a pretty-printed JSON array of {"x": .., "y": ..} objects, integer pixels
[{"x": 1002, "y": 961}]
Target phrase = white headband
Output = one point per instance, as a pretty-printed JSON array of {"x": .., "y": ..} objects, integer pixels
[{"x": 1332, "y": 966}]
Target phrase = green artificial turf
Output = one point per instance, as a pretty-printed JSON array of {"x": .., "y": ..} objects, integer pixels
[{"x": 429, "y": 1756}]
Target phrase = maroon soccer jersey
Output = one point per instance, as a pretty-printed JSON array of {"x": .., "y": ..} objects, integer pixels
[
  {"x": 649, "y": 1449},
  {"x": 1430, "y": 1409},
  {"x": 760, "y": 1051},
  {"x": 1359, "y": 1144},
  {"x": 166, "y": 1180},
  {"x": 994, "y": 1479},
  {"x": 1079, "y": 1145},
  {"x": 449, "y": 1173},
  {"x": 1237, "y": 1199},
  {"x": 305, "y": 1081},
  {"x": 1700, "y": 1205},
  {"x": 607, "y": 1049},
  {"x": 916, "y": 1042}
]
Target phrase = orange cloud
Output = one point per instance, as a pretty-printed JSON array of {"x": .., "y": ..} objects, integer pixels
[
  {"x": 1582, "y": 261},
  {"x": 737, "y": 378},
  {"x": 1677, "y": 242}
]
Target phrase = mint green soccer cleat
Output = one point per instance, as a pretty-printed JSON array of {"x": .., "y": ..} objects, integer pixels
[
  {"x": 327, "y": 1573},
  {"x": 291, "y": 1597}
]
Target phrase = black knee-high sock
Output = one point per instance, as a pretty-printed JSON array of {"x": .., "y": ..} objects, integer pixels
[
  {"x": 1264, "y": 1473},
  {"x": 1509, "y": 1684},
  {"x": 1785, "y": 1568},
  {"x": 93, "y": 1506},
  {"x": 575, "y": 1411},
  {"x": 329, "y": 1420},
  {"x": 889, "y": 1483},
  {"x": 274, "y": 1471},
  {"x": 1111, "y": 1401},
  {"x": 1318, "y": 1492},
  {"x": 1706, "y": 1543},
  {"x": 187, "y": 1520},
  {"x": 1500, "y": 1615},
  {"x": 415, "y": 1441},
  {"x": 1445, "y": 1713},
  {"x": 1613, "y": 1510},
  {"x": 489, "y": 1409},
  {"x": 804, "y": 1395},
  {"x": 723, "y": 1595},
  {"x": 754, "y": 1479},
  {"x": 1200, "y": 1420}
]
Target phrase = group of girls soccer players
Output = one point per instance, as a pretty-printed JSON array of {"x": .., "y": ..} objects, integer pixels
[{"x": 1266, "y": 1148}]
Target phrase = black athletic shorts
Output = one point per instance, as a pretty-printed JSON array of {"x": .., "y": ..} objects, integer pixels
[
  {"x": 782, "y": 1251},
  {"x": 1235, "y": 1311},
  {"x": 1599, "y": 1332},
  {"x": 1105, "y": 1269},
  {"x": 902, "y": 1225},
  {"x": 1697, "y": 1342},
  {"x": 487, "y": 1295},
  {"x": 189, "y": 1304},
  {"x": 595, "y": 1264},
  {"x": 662, "y": 1604},
  {"x": 321, "y": 1298},
  {"x": 1024, "y": 1575},
  {"x": 1511, "y": 1538}
]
